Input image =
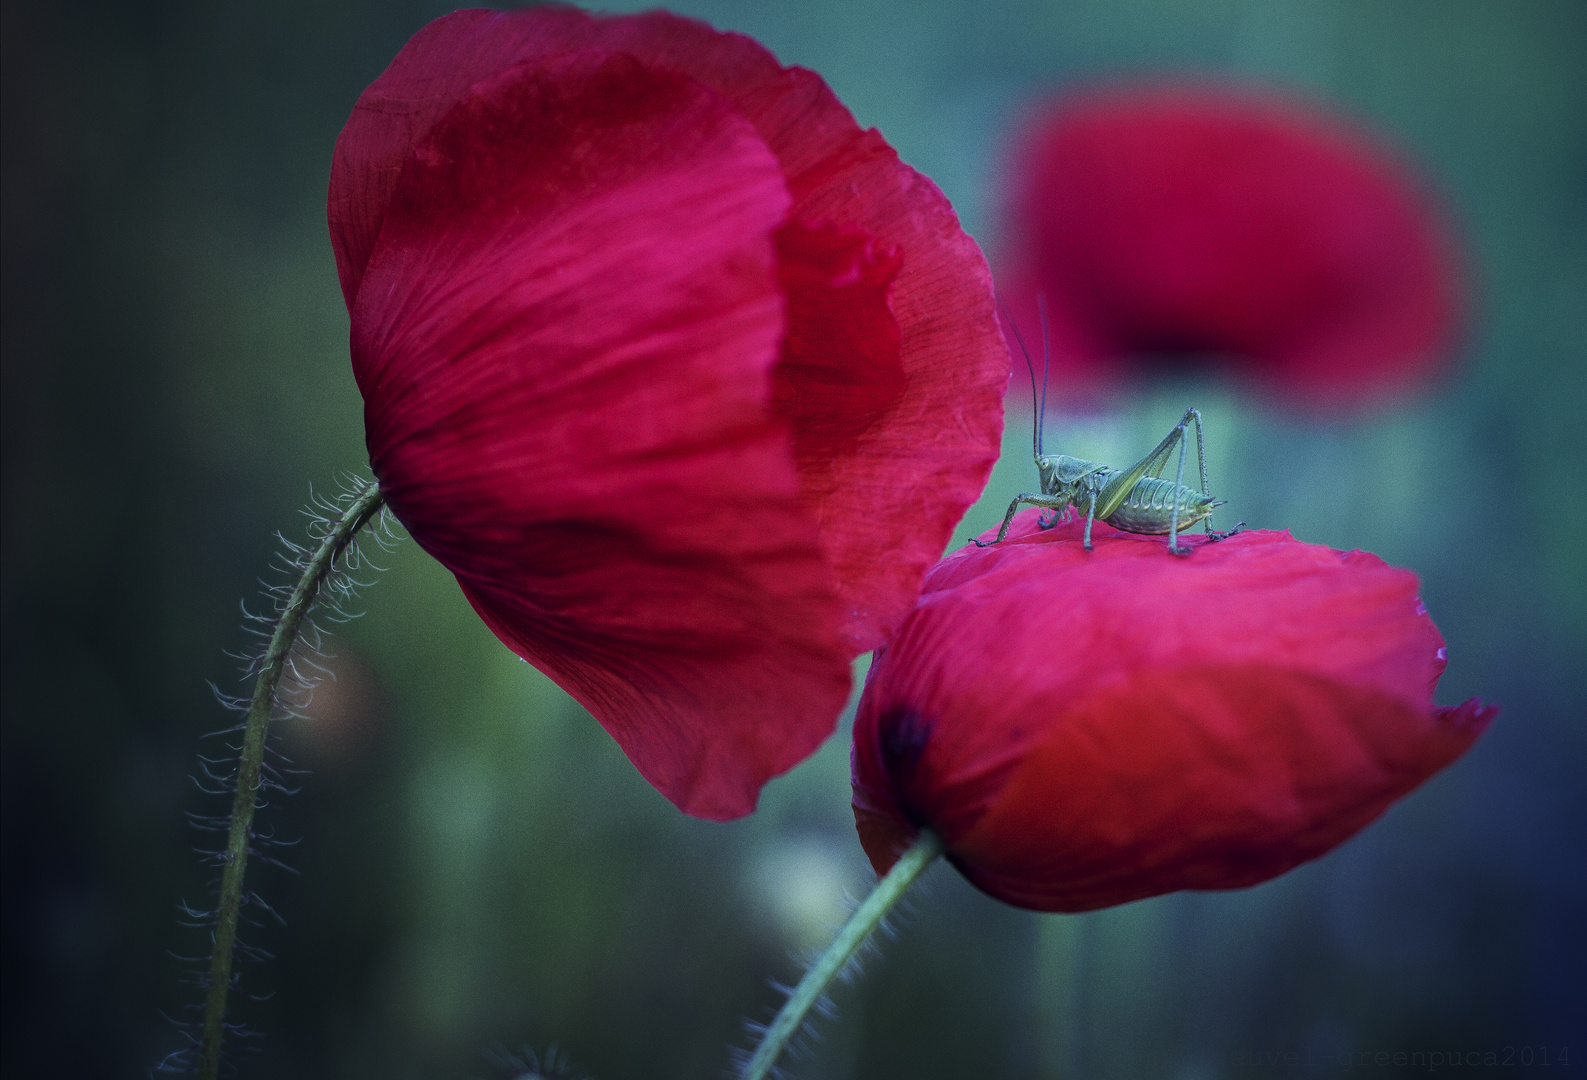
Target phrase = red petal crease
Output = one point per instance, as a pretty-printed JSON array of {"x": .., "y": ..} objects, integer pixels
[{"x": 1086, "y": 729}]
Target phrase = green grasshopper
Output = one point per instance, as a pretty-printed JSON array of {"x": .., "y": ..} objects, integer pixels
[{"x": 1136, "y": 499}]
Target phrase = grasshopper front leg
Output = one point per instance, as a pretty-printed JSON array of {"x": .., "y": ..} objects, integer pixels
[{"x": 1051, "y": 502}]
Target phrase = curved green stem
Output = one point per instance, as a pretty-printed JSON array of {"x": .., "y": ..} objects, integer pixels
[
  {"x": 909, "y": 866},
  {"x": 255, "y": 728}
]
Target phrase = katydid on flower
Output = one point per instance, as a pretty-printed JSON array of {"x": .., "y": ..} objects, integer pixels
[{"x": 1137, "y": 499}]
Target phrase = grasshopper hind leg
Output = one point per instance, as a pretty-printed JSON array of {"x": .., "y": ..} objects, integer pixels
[{"x": 1179, "y": 483}]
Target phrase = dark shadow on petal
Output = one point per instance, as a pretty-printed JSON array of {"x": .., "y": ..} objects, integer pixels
[{"x": 841, "y": 373}]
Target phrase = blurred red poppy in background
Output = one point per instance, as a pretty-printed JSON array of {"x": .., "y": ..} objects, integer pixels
[
  {"x": 1086, "y": 729},
  {"x": 684, "y": 376},
  {"x": 1193, "y": 225}
]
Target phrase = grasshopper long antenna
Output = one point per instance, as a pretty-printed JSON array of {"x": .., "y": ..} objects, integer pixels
[
  {"x": 1046, "y": 366},
  {"x": 1036, "y": 424}
]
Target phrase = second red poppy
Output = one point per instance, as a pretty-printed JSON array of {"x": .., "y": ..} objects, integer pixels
[
  {"x": 1088, "y": 728},
  {"x": 1190, "y": 225}
]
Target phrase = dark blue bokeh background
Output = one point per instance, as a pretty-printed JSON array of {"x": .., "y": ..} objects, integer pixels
[{"x": 479, "y": 865}]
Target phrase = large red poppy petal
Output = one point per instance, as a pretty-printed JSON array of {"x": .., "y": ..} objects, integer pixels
[
  {"x": 565, "y": 336},
  {"x": 1212, "y": 777},
  {"x": 887, "y": 479}
]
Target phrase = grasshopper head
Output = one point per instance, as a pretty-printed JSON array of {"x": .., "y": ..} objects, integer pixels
[{"x": 1063, "y": 475}]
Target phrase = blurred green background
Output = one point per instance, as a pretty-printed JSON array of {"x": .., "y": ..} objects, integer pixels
[{"x": 479, "y": 866}]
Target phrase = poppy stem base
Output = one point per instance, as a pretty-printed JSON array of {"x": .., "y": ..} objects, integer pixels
[
  {"x": 811, "y": 988},
  {"x": 338, "y": 534}
]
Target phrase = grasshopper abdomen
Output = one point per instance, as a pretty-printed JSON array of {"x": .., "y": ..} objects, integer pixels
[{"x": 1148, "y": 508}]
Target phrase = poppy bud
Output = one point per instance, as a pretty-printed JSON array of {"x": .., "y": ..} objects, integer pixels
[
  {"x": 1089, "y": 728},
  {"x": 683, "y": 375},
  {"x": 1186, "y": 224}
]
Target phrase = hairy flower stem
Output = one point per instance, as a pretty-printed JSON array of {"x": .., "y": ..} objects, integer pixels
[
  {"x": 255, "y": 728},
  {"x": 910, "y": 865}
]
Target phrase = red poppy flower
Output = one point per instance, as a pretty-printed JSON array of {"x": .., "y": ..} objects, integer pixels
[
  {"x": 1086, "y": 729},
  {"x": 1175, "y": 223},
  {"x": 684, "y": 376}
]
